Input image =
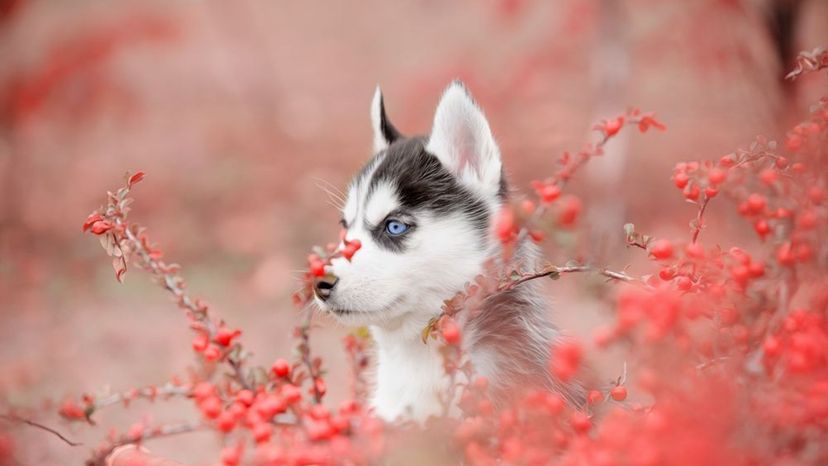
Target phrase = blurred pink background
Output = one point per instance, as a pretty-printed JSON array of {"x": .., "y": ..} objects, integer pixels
[{"x": 239, "y": 111}]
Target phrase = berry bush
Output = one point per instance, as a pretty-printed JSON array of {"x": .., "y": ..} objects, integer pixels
[
  {"x": 728, "y": 343},
  {"x": 722, "y": 325}
]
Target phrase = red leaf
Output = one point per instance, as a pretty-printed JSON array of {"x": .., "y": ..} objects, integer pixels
[
  {"x": 135, "y": 178},
  {"x": 101, "y": 226},
  {"x": 92, "y": 219}
]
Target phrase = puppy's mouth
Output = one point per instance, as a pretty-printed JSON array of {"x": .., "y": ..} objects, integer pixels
[{"x": 342, "y": 311}]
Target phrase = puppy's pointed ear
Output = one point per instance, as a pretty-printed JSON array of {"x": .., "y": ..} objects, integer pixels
[
  {"x": 463, "y": 142},
  {"x": 384, "y": 132}
]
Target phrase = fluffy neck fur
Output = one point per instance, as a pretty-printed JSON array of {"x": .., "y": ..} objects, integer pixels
[{"x": 508, "y": 341}]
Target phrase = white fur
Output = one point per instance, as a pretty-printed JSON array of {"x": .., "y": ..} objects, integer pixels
[
  {"x": 462, "y": 140},
  {"x": 383, "y": 200}
]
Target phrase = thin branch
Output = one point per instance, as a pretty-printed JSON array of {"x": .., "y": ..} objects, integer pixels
[
  {"x": 150, "y": 393},
  {"x": 167, "y": 430},
  {"x": 699, "y": 219},
  {"x": 553, "y": 270},
  {"x": 13, "y": 418},
  {"x": 307, "y": 359}
]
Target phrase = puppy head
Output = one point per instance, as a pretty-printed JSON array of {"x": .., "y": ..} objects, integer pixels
[{"x": 422, "y": 208}]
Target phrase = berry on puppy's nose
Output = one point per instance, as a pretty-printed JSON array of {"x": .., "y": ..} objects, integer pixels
[{"x": 323, "y": 286}]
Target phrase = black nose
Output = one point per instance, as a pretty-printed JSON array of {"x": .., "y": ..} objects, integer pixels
[{"x": 323, "y": 286}]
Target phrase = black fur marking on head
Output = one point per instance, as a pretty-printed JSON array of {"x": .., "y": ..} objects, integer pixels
[
  {"x": 389, "y": 132},
  {"x": 424, "y": 184}
]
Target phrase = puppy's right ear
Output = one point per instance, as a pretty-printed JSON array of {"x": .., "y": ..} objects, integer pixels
[{"x": 384, "y": 132}]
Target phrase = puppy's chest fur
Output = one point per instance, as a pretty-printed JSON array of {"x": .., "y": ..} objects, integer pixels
[{"x": 508, "y": 341}]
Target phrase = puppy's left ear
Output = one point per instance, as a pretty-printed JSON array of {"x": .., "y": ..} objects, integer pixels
[
  {"x": 463, "y": 142},
  {"x": 384, "y": 132}
]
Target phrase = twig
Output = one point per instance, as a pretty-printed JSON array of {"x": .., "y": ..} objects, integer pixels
[
  {"x": 99, "y": 457},
  {"x": 553, "y": 270},
  {"x": 699, "y": 220},
  {"x": 149, "y": 393},
  {"x": 13, "y": 418},
  {"x": 307, "y": 360}
]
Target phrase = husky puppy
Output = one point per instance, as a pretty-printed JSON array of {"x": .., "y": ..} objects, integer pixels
[{"x": 423, "y": 208}]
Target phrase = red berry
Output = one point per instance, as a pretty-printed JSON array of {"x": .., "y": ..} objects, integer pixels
[
  {"x": 225, "y": 336},
  {"x": 580, "y": 422},
  {"x": 785, "y": 254},
  {"x": 270, "y": 406},
  {"x": 815, "y": 194},
  {"x": 594, "y": 397},
  {"x": 231, "y": 456},
  {"x": 619, "y": 393},
  {"x": 684, "y": 283},
  {"x": 280, "y": 368},
  {"x": 793, "y": 142},
  {"x": 566, "y": 360},
  {"x": 549, "y": 193},
  {"x": 756, "y": 203},
  {"x": 756, "y": 269},
  {"x": 661, "y": 249},
  {"x": 667, "y": 273},
  {"x": 135, "y": 431},
  {"x": 317, "y": 268},
  {"x": 768, "y": 176},
  {"x": 762, "y": 228},
  {"x": 570, "y": 210},
  {"x": 681, "y": 179},
  {"x": 694, "y": 250},
  {"x": 212, "y": 353},
  {"x": 291, "y": 393},
  {"x": 351, "y": 248},
  {"x": 226, "y": 421},
  {"x": 527, "y": 206},
  {"x": 692, "y": 192},
  {"x": 71, "y": 410},
  {"x": 716, "y": 176},
  {"x": 804, "y": 252},
  {"x": 505, "y": 227},
  {"x": 319, "y": 412},
  {"x": 450, "y": 331},
  {"x": 245, "y": 397},
  {"x": 612, "y": 127},
  {"x": 200, "y": 342},
  {"x": 203, "y": 390},
  {"x": 772, "y": 346},
  {"x": 262, "y": 432},
  {"x": 211, "y": 407}
]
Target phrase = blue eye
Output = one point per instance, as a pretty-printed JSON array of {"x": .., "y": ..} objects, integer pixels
[{"x": 395, "y": 227}]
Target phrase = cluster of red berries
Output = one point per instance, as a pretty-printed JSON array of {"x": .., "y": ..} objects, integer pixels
[
  {"x": 216, "y": 347},
  {"x": 710, "y": 333},
  {"x": 317, "y": 262}
]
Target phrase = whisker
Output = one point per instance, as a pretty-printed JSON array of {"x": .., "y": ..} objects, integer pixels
[
  {"x": 331, "y": 186},
  {"x": 336, "y": 198}
]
